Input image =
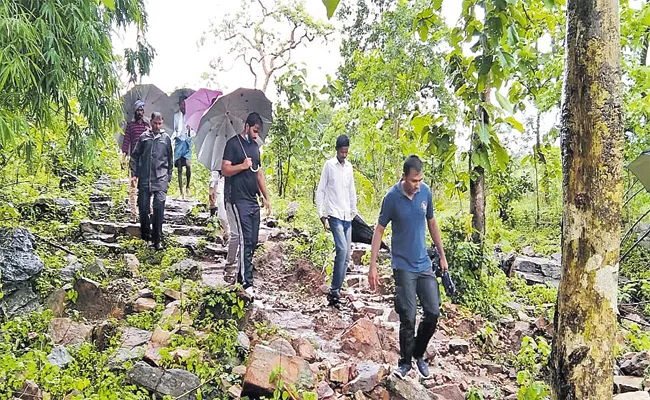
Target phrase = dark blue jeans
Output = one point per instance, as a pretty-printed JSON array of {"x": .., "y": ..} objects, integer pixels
[
  {"x": 247, "y": 215},
  {"x": 409, "y": 287},
  {"x": 342, "y": 232}
]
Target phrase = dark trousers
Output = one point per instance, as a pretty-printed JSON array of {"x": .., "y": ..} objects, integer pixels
[
  {"x": 247, "y": 215},
  {"x": 409, "y": 286},
  {"x": 147, "y": 231}
]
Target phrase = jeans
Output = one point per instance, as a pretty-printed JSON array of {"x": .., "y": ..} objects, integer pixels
[
  {"x": 409, "y": 286},
  {"x": 247, "y": 216},
  {"x": 147, "y": 232},
  {"x": 342, "y": 232},
  {"x": 233, "y": 234}
]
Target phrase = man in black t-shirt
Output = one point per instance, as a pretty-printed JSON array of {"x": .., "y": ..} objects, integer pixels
[{"x": 244, "y": 182}]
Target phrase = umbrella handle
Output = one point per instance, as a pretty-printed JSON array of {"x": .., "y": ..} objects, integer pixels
[{"x": 246, "y": 155}]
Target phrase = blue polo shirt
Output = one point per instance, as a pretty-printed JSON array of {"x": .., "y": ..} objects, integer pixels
[{"x": 409, "y": 218}]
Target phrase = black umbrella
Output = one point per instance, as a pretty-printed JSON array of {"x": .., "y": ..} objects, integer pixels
[{"x": 362, "y": 232}]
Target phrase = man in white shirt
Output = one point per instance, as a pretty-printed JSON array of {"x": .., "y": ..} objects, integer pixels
[
  {"x": 182, "y": 147},
  {"x": 336, "y": 201}
]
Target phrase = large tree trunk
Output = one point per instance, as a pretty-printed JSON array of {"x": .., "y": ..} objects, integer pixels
[{"x": 582, "y": 358}]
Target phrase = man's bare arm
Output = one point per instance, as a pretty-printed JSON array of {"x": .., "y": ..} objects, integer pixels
[{"x": 373, "y": 277}]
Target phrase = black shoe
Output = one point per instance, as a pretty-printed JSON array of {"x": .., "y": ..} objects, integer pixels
[
  {"x": 158, "y": 246},
  {"x": 334, "y": 301},
  {"x": 402, "y": 370},
  {"x": 423, "y": 367}
]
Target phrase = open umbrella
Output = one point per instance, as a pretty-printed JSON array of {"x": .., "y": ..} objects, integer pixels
[
  {"x": 225, "y": 119},
  {"x": 154, "y": 100},
  {"x": 176, "y": 96},
  {"x": 197, "y": 104}
]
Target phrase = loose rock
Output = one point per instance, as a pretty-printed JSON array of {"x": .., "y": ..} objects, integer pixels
[
  {"x": 263, "y": 360},
  {"x": 59, "y": 356},
  {"x": 64, "y": 331}
]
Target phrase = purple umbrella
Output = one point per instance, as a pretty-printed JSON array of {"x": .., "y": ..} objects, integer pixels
[{"x": 197, "y": 104}]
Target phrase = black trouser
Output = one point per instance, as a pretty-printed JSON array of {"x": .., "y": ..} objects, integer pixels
[
  {"x": 409, "y": 286},
  {"x": 247, "y": 214},
  {"x": 147, "y": 232}
]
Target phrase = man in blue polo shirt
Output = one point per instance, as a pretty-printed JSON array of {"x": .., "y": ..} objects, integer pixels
[{"x": 408, "y": 205}]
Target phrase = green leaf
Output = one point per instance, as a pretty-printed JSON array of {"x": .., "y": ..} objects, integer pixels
[
  {"x": 500, "y": 154},
  {"x": 331, "y": 5},
  {"x": 549, "y": 4},
  {"x": 515, "y": 124},
  {"x": 505, "y": 104},
  {"x": 484, "y": 133},
  {"x": 110, "y": 4},
  {"x": 423, "y": 30},
  {"x": 480, "y": 158},
  {"x": 420, "y": 122},
  {"x": 513, "y": 36}
]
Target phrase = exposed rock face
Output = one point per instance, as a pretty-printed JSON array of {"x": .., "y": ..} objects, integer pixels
[
  {"x": 171, "y": 382},
  {"x": 19, "y": 267},
  {"x": 538, "y": 270}
]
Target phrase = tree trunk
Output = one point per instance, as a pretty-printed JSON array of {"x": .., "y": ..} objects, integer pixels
[
  {"x": 585, "y": 319},
  {"x": 477, "y": 185}
]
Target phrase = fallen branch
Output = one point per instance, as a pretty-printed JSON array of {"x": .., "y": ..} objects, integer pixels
[{"x": 56, "y": 246}]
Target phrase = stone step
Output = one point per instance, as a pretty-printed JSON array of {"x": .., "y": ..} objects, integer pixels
[{"x": 91, "y": 227}]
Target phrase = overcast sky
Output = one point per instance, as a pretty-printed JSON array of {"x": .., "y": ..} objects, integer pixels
[{"x": 175, "y": 28}]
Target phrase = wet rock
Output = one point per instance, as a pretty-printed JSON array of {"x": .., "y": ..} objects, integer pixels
[
  {"x": 458, "y": 346},
  {"x": 406, "y": 389},
  {"x": 369, "y": 375},
  {"x": 528, "y": 251},
  {"x": 243, "y": 341},
  {"x": 234, "y": 391},
  {"x": 239, "y": 370},
  {"x": 144, "y": 304},
  {"x": 69, "y": 272},
  {"x": 161, "y": 336},
  {"x": 362, "y": 338},
  {"x": 324, "y": 390},
  {"x": 507, "y": 262},
  {"x": 94, "y": 303},
  {"x": 626, "y": 384},
  {"x": 134, "y": 337},
  {"x": 263, "y": 360},
  {"x": 283, "y": 346},
  {"x": 19, "y": 267},
  {"x": 188, "y": 269},
  {"x": 64, "y": 331},
  {"x": 30, "y": 390},
  {"x": 56, "y": 302},
  {"x": 59, "y": 356},
  {"x": 538, "y": 270},
  {"x": 304, "y": 349},
  {"x": 636, "y": 365},
  {"x": 340, "y": 374},
  {"x": 448, "y": 392},
  {"x": 171, "y": 382}
]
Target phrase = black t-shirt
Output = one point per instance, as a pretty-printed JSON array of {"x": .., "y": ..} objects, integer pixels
[{"x": 243, "y": 186}]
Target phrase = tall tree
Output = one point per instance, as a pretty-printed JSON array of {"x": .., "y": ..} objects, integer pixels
[
  {"x": 582, "y": 358},
  {"x": 57, "y": 69},
  {"x": 264, "y": 34}
]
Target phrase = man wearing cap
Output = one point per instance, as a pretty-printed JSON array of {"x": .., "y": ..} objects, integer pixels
[{"x": 134, "y": 129}]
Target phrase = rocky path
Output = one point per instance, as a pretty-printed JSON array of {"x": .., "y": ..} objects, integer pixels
[{"x": 347, "y": 353}]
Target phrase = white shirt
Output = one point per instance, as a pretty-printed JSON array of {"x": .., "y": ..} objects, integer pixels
[
  {"x": 336, "y": 196},
  {"x": 180, "y": 127}
]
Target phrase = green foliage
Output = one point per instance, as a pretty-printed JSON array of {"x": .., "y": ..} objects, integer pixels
[
  {"x": 530, "y": 389},
  {"x": 538, "y": 296},
  {"x": 637, "y": 339},
  {"x": 24, "y": 346},
  {"x": 533, "y": 355},
  {"x": 507, "y": 188},
  {"x": 487, "y": 337},
  {"x": 474, "y": 393},
  {"x": 284, "y": 391},
  {"x": 58, "y": 73}
]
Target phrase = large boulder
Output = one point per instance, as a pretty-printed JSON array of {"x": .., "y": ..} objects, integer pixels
[
  {"x": 263, "y": 360},
  {"x": 19, "y": 267},
  {"x": 537, "y": 270},
  {"x": 94, "y": 303},
  {"x": 369, "y": 376},
  {"x": 636, "y": 364},
  {"x": 171, "y": 382},
  {"x": 64, "y": 331},
  {"x": 362, "y": 340}
]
